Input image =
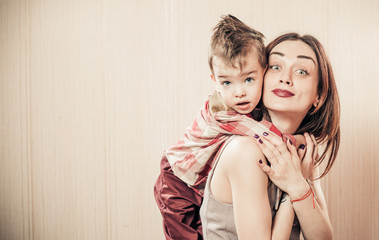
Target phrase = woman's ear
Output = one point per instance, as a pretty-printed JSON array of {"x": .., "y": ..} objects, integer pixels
[{"x": 315, "y": 103}]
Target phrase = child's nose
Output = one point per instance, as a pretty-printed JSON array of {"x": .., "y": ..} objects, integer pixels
[{"x": 240, "y": 92}]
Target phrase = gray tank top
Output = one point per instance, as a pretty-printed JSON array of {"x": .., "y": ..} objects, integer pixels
[{"x": 217, "y": 218}]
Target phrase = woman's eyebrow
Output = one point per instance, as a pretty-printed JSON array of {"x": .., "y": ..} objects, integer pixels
[
  {"x": 306, "y": 57},
  {"x": 299, "y": 56},
  {"x": 277, "y": 53}
]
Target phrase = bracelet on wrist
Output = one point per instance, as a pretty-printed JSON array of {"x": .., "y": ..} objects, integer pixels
[{"x": 310, "y": 192}]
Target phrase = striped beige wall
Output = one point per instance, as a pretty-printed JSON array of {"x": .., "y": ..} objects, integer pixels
[{"x": 92, "y": 91}]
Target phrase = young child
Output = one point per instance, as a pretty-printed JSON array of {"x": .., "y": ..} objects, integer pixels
[{"x": 237, "y": 61}]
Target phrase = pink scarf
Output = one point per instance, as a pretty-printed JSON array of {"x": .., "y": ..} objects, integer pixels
[{"x": 191, "y": 158}]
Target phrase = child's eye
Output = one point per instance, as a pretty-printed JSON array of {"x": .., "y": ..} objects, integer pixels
[
  {"x": 302, "y": 72},
  {"x": 249, "y": 80},
  {"x": 275, "y": 67},
  {"x": 225, "y": 83}
]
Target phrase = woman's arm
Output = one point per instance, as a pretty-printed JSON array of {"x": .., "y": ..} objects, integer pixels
[
  {"x": 246, "y": 187},
  {"x": 314, "y": 221},
  {"x": 285, "y": 172},
  {"x": 283, "y": 221}
]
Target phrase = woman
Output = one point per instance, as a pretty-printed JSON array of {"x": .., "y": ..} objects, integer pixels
[{"x": 299, "y": 96}]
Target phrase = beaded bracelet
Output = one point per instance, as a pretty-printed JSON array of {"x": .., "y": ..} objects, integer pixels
[{"x": 310, "y": 191}]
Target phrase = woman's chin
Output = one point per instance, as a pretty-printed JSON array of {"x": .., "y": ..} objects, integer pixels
[{"x": 287, "y": 111}]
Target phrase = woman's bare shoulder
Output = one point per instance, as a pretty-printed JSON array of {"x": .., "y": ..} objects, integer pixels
[
  {"x": 243, "y": 147},
  {"x": 241, "y": 151},
  {"x": 238, "y": 168}
]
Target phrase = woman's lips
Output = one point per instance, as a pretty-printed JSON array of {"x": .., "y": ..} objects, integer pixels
[{"x": 282, "y": 93}]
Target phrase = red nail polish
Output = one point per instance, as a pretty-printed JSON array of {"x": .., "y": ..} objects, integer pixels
[
  {"x": 256, "y": 136},
  {"x": 260, "y": 161},
  {"x": 260, "y": 141}
]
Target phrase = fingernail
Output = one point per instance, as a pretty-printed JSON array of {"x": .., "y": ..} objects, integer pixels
[
  {"x": 290, "y": 141},
  {"x": 260, "y": 141},
  {"x": 260, "y": 161},
  {"x": 256, "y": 136},
  {"x": 302, "y": 146},
  {"x": 265, "y": 134}
]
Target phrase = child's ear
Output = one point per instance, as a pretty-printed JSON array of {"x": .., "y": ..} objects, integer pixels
[{"x": 213, "y": 78}]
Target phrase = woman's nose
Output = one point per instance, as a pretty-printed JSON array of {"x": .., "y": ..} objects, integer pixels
[
  {"x": 286, "y": 78},
  {"x": 287, "y": 82}
]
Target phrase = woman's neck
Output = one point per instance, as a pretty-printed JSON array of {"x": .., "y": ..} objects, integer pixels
[{"x": 286, "y": 122}]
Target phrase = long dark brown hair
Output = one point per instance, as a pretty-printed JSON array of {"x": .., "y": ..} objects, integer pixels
[{"x": 322, "y": 121}]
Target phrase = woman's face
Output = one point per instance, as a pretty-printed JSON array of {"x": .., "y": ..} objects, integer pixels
[{"x": 291, "y": 80}]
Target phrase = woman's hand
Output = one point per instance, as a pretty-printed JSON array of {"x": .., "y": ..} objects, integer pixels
[
  {"x": 287, "y": 171},
  {"x": 309, "y": 154}
]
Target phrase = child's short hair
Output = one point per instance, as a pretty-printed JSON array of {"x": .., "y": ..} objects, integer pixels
[{"x": 232, "y": 40}]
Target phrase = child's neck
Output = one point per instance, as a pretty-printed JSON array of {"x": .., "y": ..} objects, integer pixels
[{"x": 286, "y": 122}]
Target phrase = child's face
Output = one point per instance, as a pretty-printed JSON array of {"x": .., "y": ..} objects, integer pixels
[{"x": 240, "y": 88}]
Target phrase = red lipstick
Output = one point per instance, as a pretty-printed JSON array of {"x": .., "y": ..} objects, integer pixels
[{"x": 282, "y": 93}]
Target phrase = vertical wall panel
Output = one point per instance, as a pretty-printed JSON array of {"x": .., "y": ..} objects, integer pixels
[
  {"x": 15, "y": 210},
  {"x": 92, "y": 92},
  {"x": 68, "y": 131},
  {"x": 352, "y": 186}
]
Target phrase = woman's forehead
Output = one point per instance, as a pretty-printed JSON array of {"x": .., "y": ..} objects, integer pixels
[{"x": 294, "y": 49}]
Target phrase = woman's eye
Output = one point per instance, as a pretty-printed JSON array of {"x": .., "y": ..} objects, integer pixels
[
  {"x": 275, "y": 67},
  {"x": 249, "y": 80},
  {"x": 302, "y": 72},
  {"x": 225, "y": 83}
]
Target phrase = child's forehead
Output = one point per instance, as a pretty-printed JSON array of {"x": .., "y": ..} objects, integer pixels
[
  {"x": 238, "y": 67},
  {"x": 247, "y": 62},
  {"x": 239, "y": 61}
]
